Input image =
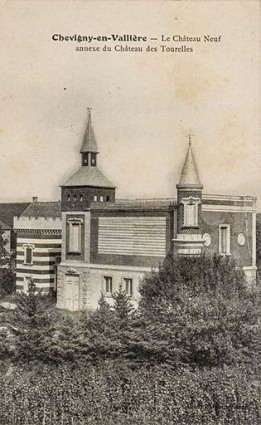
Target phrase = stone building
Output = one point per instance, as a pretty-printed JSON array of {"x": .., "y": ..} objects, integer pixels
[{"x": 109, "y": 243}]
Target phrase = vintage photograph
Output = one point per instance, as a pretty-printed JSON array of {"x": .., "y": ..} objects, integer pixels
[{"x": 130, "y": 212}]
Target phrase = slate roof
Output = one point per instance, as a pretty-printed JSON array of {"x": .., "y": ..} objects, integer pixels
[
  {"x": 89, "y": 142},
  {"x": 10, "y": 210},
  {"x": 89, "y": 176},
  {"x": 43, "y": 209},
  {"x": 189, "y": 175}
]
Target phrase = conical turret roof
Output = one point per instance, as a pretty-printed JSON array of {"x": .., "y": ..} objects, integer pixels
[
  {"x": 89, "y": 143},
  {"x": 189, "y": 175}
]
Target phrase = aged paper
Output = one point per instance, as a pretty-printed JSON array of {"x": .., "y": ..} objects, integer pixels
[
  {"x": 157, "y": 76},
  {"x": 153, "y": 72}
]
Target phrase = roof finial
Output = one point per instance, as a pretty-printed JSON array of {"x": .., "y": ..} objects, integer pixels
[
  {"x": 189, "y": 136},
  {"x": 89, "y": 111}
]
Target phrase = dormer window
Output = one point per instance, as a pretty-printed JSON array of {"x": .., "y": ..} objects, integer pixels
[
  {"x": 74, "y": 198},
  {"x": 190, "y": 211},
  {"x": 68, "y": 198},
  {"x": 81, "y": 198}
]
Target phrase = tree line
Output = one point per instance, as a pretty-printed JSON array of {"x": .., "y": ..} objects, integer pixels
[{"x": 189, "y": 354}]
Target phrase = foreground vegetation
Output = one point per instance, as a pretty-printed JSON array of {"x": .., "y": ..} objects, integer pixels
[
  {"x": 115, "y": 393},
  {"x": 189, "y": 355}
]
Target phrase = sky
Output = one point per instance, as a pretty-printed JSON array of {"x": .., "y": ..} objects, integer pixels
[{"x": 144, "y": 104}]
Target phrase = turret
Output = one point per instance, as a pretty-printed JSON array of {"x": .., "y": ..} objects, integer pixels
[
  {"x": 189, "y": 196},
  {"x": 88, "y": 184},
  {"x": 189, "y": 239}
]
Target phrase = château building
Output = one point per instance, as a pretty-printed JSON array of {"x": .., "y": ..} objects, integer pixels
[
  {"x": 109, "y": 243},
  {"x": 92, "y": 243}
]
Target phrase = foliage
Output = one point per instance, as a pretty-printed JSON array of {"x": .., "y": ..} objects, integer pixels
[
  {"x": 122, "y": 305},
  {"x": 116, "y": 394},
  {"x": 189, "y": 355},
  {"x": 30, "y": 324},
  {"x": 3, "y": 252},
  {"x": 104, "y": 328},
  {"x": 208, "y": 275},
  {"x": 199, "y": 311},
  {"x": 7, "y": 276},
  {"x": 7, "y": 281}
]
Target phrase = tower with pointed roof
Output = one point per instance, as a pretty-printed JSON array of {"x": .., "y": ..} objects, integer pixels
[
  {"x": 189, "y": 208},
  {"x": 111, "y": 245},
  {"x": 88, "y": 184}
]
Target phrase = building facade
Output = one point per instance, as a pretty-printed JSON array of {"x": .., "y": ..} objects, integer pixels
[
  {"x": 38, "y": 245},
  {"x": 109, "y": 243}
]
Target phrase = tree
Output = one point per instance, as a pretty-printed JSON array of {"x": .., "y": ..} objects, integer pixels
[
  {"x": 3, "y": 252},
  {"x": 122, "y": 305},
  {"x": 7, "y": 281},
  {"x": 100, "y": 329},
  {"x": 103, "y": 333},
  {"x": 31, "y": 323},
  {"x": 65, "y": 341},
  {"x": 7, "y": 276},
  {"x": 198, "y": 311}
]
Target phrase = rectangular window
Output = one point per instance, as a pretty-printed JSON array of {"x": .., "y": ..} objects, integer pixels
[
  {"x": 74, "y": 236},
  {"x": 101, "y": 198},
  {"x": 190, "y": 214},
  {"x": 85, "y": 159},
  {"x": 68, "y": 197},
  {"x": 28, "y": 255},
  {"x": 93, "y": 159},
  {"x": 224, "y": 239},
  {"x": 107, "y": 198},
  {"x": 128, "y": 286},
  {"x": 81, "y": 198},
  {"x": 108, "y": 285},
  {"x": 95, "y": 198}
]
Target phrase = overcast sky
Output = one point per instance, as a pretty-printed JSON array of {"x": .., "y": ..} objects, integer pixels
[{"x": 144, "y": 103}]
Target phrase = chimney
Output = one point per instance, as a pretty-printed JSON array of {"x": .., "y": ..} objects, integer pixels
[{"x": 35, "y": 199}]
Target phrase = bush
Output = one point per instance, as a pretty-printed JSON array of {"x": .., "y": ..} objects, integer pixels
[
  {"x": 197, "y": 311},
  {"x": 189, "y": 355},
  {"x": 7, "y": 282}
]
